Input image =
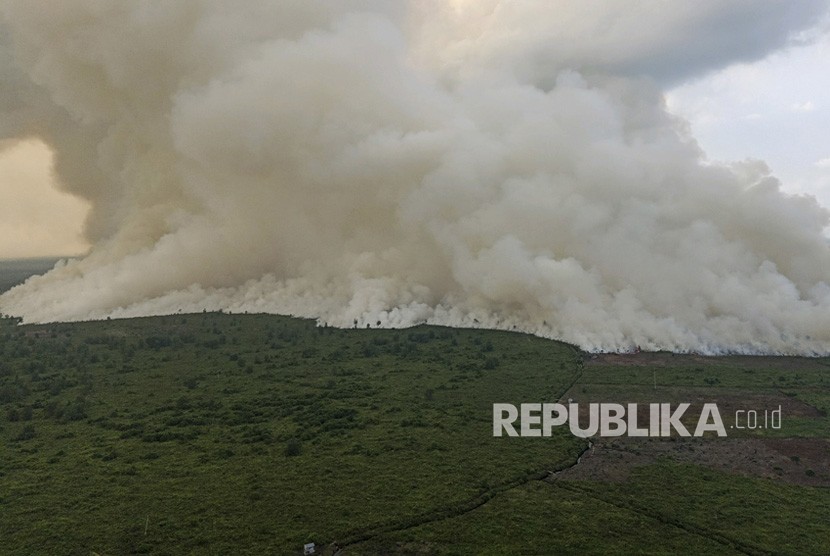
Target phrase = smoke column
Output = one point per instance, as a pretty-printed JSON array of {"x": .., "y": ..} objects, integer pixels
[{"x": 471, "y": 163}]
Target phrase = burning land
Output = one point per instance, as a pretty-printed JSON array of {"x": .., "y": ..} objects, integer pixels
[{"x": 380, "y": 441}]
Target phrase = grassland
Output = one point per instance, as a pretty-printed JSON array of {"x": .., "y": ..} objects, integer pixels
[{"x": 254, "y": 434}]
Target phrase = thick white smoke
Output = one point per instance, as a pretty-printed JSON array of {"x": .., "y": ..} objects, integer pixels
[{"x": 490, "y": 163}]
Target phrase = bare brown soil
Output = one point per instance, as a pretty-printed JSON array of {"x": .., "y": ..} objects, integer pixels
[
  {"x": 648, "y": 359},
  {"x": 789, "y": 460}
]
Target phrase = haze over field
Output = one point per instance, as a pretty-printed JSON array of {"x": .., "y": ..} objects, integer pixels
[{"x": 490, "y": 163}]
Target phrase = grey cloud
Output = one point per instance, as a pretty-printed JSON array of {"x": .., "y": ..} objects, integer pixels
[{"x": 395, "y": 161}]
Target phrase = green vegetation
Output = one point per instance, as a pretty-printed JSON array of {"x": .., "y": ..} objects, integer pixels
[
  {"x": 664, "y": 509},
  {"x": 254, "y": 434}
]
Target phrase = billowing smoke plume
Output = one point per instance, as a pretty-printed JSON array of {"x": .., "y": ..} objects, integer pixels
[{"x": 482, "y": 162}]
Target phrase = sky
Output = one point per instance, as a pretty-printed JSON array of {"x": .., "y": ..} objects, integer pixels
[
  {"x": 36, "y": 218},
  {"x": 776, "y": 109}
]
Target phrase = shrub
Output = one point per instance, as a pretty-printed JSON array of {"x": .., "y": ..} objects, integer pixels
[
  {"x": 491, "y": 363},
  {"x": 26, "y": 433},
  {"x": 293, "y": 448}
]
